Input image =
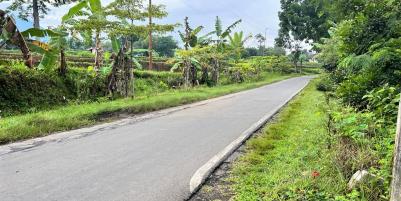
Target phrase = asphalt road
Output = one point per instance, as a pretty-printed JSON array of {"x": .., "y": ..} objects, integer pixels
[{"x": 152, "y": 159}]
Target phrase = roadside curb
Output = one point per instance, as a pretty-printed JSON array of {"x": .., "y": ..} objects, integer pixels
[
  {"x": 82, "y": 132},
  {"x": 203, "y": 173}
]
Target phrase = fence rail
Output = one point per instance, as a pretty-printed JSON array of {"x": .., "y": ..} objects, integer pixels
[{"x": 396, "y": 181}]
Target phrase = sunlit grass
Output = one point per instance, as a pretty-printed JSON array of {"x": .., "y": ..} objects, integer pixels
[{"x": 279, "y": 164}]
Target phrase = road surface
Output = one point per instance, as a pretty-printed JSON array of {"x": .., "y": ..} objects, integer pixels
[{"x": 149, "y": 160}]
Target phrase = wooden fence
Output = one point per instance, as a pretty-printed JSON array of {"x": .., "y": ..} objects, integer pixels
[{"x": 396, "y": 181}]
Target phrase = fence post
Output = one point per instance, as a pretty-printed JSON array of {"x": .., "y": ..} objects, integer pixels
[{"x": 396, "y": 182}]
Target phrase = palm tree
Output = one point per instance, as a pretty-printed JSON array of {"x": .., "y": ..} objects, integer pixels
[{"x": 237, "y": 42}]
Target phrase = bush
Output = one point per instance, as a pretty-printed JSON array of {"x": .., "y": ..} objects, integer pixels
[
  {"x": 325, "y": 84},
  {"x": 24, "y": 90},
  {"x": 384, "y": 102},
  {"x": 241, "y": 72},
  {"x": 352, "y": 90}
]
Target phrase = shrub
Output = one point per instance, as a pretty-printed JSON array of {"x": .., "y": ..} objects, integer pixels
[
  {"x": 384, "y": 102},
  {"x": 241, "y": 72},
  {"x": 325, "y": 84},
  {"x": 352, "y": 90},
  {"x": 24, "y": 90}
]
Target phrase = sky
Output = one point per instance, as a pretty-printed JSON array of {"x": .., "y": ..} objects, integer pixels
[{"x": 258, "y": 16}]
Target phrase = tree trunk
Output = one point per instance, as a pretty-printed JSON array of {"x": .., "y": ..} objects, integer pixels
[
  {"x": 187, "y": 69},
  {"x": 215, "y": 72},
  {"x": 205, "y": 75},
  {"x": 63, "y": 63},
  {"x": 150, "y": 37},
  {"x": 194, "y": 75},
  {"x": 99, "y": 52},
  {"x": 131, "y": 70},
  {"x": 120, "y": 79},
  {"x": 35, "y": 13}
]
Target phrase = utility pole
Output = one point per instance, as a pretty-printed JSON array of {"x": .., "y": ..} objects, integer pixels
[{"x": 150, "y": 37}]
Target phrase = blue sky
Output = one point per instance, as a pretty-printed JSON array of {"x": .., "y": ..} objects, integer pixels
[{"x": 257, "y": 15}]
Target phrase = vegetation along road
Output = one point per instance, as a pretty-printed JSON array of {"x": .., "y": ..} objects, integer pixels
[{"x": 151, "y": 159}]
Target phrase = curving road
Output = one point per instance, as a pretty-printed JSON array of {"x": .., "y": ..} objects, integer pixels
[{"x": 145, "y": 158}]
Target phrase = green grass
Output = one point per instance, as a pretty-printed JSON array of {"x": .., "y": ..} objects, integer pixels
[
  {"x": 75, "y": 116},
  {"x": 278, "y": 164}
]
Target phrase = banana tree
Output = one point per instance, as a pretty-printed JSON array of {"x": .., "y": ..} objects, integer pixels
[
  {"x": 221, "y": 34},
  {"x": 237, "y": 42},
  {"x": 220, "y": 42},
  {"x": 9, "y": 33},
  {"x": 182, "y": 60},
  {"x": 51, "y": 51},
  {"x": 89, "y": 16}
]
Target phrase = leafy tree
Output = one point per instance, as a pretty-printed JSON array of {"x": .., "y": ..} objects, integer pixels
[
  {"x": 158, "y": 12},
  {"x": 89, "y": 16},
  {"x": 35, "y": 9},
  {"x": 261, "y": 40},
  {"x": 165, "y": 45},
  {"x": 275, "y": 51},
  {"x": 302, "y": 20},
  {"x": 251, "y": 52}
]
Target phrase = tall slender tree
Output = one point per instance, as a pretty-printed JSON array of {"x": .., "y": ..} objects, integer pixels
[
  {"x": 155, "y": 12},
  {"x": 89, "y": 16}
]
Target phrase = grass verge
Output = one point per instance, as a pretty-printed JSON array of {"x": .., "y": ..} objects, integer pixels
[
  {"x": 75, "y": 116},
  {"x": 290, "y": 160}
]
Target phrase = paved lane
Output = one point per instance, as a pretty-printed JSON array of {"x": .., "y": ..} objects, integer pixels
[{"x": 148, "y": 160}]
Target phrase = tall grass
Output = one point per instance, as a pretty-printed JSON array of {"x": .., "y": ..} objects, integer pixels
[{"x": 290, "y": 160}]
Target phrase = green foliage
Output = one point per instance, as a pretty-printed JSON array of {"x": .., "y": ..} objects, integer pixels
[
  {"x": 325, "y": 84},
  {"x": 163, "y": 45},
  {"x": 302, "y": 20},
  {"x": 384, "y": 103},
  {"x": 280, "y": 162},
  {"x": 241, "y": 72},
  {"x": 24, "y": 90}
]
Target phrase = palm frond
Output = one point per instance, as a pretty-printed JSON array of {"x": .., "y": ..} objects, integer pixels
[
  {"x": 230, "y": 28},
  {"x": 75, "y": 11},
  {"x": 35, "y": 32},
  {"x": 218, "y": 27}
]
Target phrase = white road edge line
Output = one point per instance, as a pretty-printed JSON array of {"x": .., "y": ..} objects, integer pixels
[
  {"x": 207, "y": 169},
  {"x": 77, "y": 133}
]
